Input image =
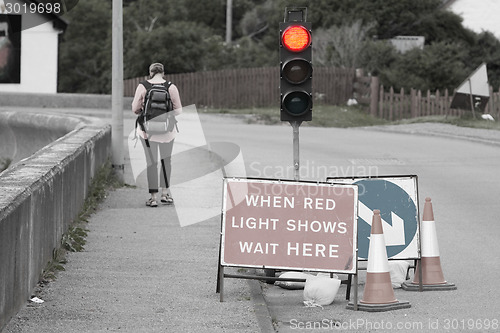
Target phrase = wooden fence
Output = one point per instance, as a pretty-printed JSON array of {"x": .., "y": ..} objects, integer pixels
[
  {"x": 395, "y": 106},
  {"x": 259, "y": 87},
  {"x": 252, "y": 87}
]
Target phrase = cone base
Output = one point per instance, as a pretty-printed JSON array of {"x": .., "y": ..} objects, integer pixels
[
  {"x": 380, "y": 307},
  {"x": 378, "y": 289},
  {"x": 412, "y": 286},
  {"x": 431, "y": 271}
]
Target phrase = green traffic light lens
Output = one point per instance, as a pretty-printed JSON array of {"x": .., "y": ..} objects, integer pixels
[
  {"x": 297, "y": 103},
  {"x": 297, "y": 71}
]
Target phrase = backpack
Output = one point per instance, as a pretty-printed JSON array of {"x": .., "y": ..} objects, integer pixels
[{"x": 155, "y": 117}]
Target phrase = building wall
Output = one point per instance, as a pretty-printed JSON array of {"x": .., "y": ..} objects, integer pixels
[{"x": 39, "y": 53}]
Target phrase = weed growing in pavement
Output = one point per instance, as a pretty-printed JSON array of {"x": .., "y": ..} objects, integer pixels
[
  {"x": 75, "y": 238},
  {"x": 4, "y": 163}
]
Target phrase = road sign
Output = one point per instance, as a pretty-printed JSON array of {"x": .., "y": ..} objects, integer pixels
[
  {"x": 474, "y": 92},
  {"x": 397, "y": 200},
  {"x": 289, "y": 225}
]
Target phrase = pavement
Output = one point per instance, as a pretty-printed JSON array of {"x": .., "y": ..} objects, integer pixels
[{"x": 141, "y": 271}]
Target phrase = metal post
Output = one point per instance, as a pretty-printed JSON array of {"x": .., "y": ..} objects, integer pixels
[
  {"x": 117, "y": 90},
  {"x": 471, "y": 100},
  {"x": 355, "y": 301},
  {"x": 229, "y": 21},
  {"x": 296, "y": 150}
]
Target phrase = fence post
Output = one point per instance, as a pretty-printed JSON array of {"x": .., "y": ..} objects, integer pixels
[
  {"x": 374, "y": 89},
  {"x": 381, "y": 102},
  {"x": 402, "y": 104},
  {"x": 391, "y": 103},
  {"x": 413, "y": 107},
  {"x": 430, "y": 108}
]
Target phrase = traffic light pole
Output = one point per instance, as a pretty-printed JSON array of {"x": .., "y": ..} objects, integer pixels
[
  {"x": 117, "y": 91},
  {"x": 296, "y": 149}
]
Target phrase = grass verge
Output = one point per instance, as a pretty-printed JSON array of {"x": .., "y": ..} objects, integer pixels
[
  {"x": 75, "y": 238},
  {"x": 350, "y": 116}
]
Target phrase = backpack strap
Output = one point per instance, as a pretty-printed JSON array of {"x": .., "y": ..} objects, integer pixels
[{"x": 146, "y": 84}]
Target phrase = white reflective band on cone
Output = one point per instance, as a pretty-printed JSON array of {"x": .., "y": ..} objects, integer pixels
[
  {"x": 430, "y": 246},
  {"x": 377, "y": 255}
]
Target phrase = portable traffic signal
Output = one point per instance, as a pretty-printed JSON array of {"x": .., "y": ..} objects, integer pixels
[{"x": 295, "y": 67}]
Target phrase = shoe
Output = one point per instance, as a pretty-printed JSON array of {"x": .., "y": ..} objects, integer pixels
[
  {"x": 151, "y": 203},
  {"x": 167, "y": 199}
]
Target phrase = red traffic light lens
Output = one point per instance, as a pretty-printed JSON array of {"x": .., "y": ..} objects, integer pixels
[{"x": 296, "y": 38}]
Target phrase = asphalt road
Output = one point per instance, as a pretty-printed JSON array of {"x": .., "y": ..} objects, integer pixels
[
  {"x": 458, "y": 168},
  {"x": 459, "y": 174}
]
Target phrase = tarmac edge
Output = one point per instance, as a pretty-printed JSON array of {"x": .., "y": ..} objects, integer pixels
[{"x": 260, "y": 307}]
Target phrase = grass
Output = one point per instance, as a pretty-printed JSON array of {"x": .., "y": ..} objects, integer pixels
[
  {"x": 349, "y": 116},
  {"x": 75, "y": 238},
  {"x": 4, "y": 163},
  {"x": 463, "y": 121}
]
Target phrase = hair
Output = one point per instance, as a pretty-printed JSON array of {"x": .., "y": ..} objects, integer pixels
[{"x": 156, "y": 68}]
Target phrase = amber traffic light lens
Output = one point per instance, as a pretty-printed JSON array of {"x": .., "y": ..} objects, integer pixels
[{"x": 297, "y": 71}]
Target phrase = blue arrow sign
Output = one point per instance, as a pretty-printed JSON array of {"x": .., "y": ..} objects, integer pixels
[{"x": 397, "y": 209}]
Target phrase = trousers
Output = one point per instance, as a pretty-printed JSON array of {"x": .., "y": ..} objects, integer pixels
[{"x": 158, "y": 151}]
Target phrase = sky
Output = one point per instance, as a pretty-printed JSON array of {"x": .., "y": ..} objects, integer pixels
[{"x": 479, "y": 15}]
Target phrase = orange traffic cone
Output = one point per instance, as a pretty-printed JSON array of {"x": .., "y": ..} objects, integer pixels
[
  {"x": 430, "y": 263},
  {"x": 378, "y": 294}
]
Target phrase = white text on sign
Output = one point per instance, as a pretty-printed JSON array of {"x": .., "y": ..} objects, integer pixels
[{"x": 288, "y": 202}]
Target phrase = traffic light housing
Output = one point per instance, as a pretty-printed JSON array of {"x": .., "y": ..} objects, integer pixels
[{"x": 295, "y": 70}]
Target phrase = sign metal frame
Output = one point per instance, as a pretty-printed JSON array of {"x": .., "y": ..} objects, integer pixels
[{"x": 231, "y": 201}]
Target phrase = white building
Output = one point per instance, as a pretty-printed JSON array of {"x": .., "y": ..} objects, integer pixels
[
  {"x": 28, "y": 48},
  {"x": 406, "y": 43}
]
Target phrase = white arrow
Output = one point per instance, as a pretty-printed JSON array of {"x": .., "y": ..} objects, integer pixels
[{"x": 394, "y": 235}]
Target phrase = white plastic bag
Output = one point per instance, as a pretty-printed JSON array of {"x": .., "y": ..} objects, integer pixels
[
  {"x": 398, "y": 270},
  {"x": 320, "y": 290}
]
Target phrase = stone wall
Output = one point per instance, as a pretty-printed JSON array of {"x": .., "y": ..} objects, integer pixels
[{"x": 40, "y": 196}]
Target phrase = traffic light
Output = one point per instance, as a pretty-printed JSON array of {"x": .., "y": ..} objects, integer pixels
[{"x": 295, "y": 68}]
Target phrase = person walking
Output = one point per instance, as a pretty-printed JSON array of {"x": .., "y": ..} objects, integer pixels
[{"x": 157, "y": 142}]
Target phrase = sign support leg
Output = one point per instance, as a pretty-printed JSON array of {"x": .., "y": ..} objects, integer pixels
[
  {"x": 296, "y": 150},
  {"x": 221, "y": 283},
  {"x": 217, "y": 288},
  {"x": 420, "y": 278},
  {"x": 355, "y": 301}
]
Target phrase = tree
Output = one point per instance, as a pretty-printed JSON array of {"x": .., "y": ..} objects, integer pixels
[
  {"x": 437, "y": 66},
  {"x": 85, "y": 50},
  {"x": 180, "y": 46},
  {"x": 486, "y": 48},
  {"x": 188, "y": 35},
  {"x": 340, "y": 46}
]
